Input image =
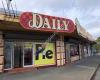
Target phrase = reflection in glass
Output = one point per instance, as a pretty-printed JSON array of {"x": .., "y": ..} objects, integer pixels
[
  {"x": 28, "y": 54},
  {"x": 8, "y": 54},
  {"x": 74, "y": 50}
]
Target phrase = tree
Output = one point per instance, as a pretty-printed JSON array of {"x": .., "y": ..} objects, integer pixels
[{"x": 97, "y": 45}]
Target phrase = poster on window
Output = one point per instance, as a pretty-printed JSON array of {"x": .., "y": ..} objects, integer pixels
[{"x": 44, "y": 54}]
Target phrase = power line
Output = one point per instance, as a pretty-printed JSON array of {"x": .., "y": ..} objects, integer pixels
[
  {"x": 4, "y": 7},
  {"x": 8, "y": 3},
  {"x": 15, "y": 7},
  {"x": 12, "y": 12}
]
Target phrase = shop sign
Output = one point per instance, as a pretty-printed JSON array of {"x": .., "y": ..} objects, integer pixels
[
  {"x": 45, "y": 56},
  {"x": 34, "y": 21},
  {"x": 90, "y": 37},
  {"x": 81, "y": 31}
]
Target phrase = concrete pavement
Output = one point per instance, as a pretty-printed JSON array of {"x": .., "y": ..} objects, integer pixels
[
  {"x": 97, "y": 75},
  {"x": 80, "y": 70}
]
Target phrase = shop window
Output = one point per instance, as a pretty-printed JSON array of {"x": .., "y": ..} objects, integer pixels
[
  {"x": 74, "y": 50},
  {"x": 8, "y": 55}
]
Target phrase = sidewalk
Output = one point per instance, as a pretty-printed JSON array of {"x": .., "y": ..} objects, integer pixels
[
  {"x": 80, "y": 70},
  {"x": 97, "y": 76}
]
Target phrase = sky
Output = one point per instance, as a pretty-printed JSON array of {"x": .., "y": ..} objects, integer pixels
[{"x": 87, "y": 11}]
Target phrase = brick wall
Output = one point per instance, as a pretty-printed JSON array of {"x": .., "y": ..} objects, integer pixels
[
  {"x": 60, "y": 51},
  {"x": 1, "y": 52}
]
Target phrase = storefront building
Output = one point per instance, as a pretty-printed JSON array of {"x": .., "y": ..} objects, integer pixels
[{"x": 32, "y": 40}]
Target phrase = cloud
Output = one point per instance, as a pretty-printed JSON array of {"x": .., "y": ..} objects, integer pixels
[
  {"x": 96, "y": 12},
  {"x": 87, "y": 4},
  {"x": 87, "y": 11},
  {"x": 94, "y": 28}
]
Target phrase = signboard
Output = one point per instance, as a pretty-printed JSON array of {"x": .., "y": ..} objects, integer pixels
[
  {"x": 90, "y": 37},
  {"x": 44, "y": 56},
  {"x": 34, "y": 21},
  {"x": 81, "y": 31}
]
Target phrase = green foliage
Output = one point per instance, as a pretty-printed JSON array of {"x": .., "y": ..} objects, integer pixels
[
  {"x": 97, "y": 45},
  {"x": 98, "y": 39}
]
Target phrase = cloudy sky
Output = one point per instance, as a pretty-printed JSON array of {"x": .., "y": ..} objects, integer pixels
[{"x": 87, "y": 11}]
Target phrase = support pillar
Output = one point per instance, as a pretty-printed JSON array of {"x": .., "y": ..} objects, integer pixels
[
  {"x": 60, "y": 51},
  {"x": 89, "y": 53},
  {"x": 81, "y": 51},
  {"x": 68, "y": 57},
  {"x": 1, "y": 52}
]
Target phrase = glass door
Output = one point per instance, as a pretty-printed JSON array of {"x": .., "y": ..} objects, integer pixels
[
  {"x": 18, "y": 55},
  {"x": 28, "y": 54}
]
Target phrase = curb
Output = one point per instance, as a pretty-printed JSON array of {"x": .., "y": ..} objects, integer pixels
[{"x": 94, "y": 73}]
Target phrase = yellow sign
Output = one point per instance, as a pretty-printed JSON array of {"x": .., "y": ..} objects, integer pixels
[{"x": 44, "y": 56}]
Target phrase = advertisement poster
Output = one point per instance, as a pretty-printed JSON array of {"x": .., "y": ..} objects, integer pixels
[{"x": 44, "y": 56}]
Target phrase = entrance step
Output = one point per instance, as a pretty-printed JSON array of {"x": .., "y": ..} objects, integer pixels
[{"x": 21, "y": 70}]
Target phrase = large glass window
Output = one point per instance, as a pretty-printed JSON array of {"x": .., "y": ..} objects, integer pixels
[
  {"x": 8, "y": 55},
  {"x": 28, "y": 53},
  {"x": 18, "y": 54},
  {"x": 74, "y": 50}
]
